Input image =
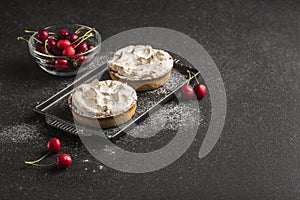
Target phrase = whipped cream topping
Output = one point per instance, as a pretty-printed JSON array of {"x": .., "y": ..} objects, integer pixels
[
  {"x": 103, "y": 98},
  {"x": 140, "y": 62}
]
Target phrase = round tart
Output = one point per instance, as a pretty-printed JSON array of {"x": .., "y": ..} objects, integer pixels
[
  {"x": 141, "y": 67},
  {"x": 103, "y": 104}
]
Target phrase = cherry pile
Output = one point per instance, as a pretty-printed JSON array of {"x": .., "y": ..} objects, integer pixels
[
  {"x": 71, "y": 44},
  {"x": 53, "y": 146},
  {"x": 188, "y": 91}
]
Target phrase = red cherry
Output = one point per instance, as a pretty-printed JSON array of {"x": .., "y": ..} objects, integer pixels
[
  {"x": 68, "y": 51},
  {"x": 63, "y": 160},
  {"x": 63, "y": 34},
  {"x": 81, "y": 59},
  {"x": 200, "y": 90},
  {"x": 72, "y": 37},
  {"x": 61, "y": 64},
  {"x": 42, "y": 35},
  {"x": 82, "y": 47},
  {"x": 78, "y": 60},
  {"x": 51, "y": 43},
  {"x": 61, "y": 44},
  {"x": 53, "y": 145},
  {"x": 187, "y": 91}
]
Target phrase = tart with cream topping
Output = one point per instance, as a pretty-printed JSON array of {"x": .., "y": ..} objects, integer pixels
[
  {"x": 103, "y": 104},
  {"x": 141, "y": 66}
]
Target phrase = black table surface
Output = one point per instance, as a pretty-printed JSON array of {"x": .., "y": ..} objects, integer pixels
[{"x": 255, "y": 45}]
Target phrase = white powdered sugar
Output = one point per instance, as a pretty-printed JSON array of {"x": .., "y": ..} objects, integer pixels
[{"x": 19, "y": 133}]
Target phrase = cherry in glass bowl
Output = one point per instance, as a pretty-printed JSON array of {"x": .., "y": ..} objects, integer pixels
[{"x": 62, "y": 52}]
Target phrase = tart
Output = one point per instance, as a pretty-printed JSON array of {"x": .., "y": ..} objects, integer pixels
[
  {"x": 103, "y": 104},
  {"x": 141, "y": 66}
]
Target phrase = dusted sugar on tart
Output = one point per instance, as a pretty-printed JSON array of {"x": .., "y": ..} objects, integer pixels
[
  {"x": 141, "y": 66},
  {"x": 103, "y": 104}
]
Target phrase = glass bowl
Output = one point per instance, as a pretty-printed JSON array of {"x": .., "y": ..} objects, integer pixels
[{"x": 57, "y": 64}]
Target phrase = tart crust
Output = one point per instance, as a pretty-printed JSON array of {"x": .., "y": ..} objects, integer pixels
[
  {"x": 103, "y": 122},
  {"x": 142, "y": 85}
]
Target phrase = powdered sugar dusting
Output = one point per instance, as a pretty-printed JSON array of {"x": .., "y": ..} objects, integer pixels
[{"x": 19, "y": 133}]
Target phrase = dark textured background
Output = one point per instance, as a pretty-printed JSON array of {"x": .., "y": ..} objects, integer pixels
[{"x": 255, "y": 44}]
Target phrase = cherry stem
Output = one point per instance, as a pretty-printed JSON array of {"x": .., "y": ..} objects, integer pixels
[
  {"x": 89, "y": 31},
  {"x": 190, "y": 77},
  {"x": 22, "y": 38},
  {"x": 42, "y": 165},
  {"x": 79, "y": 29},
  {"x": 45, "y": 46},
  {"x": 76, "y": 62},
  {"x": 30, "y": 31},
  {"x": 37, "y": 40},
  {"x": 82, "y": 28},
  {"x": 195, "y": 75},
  {"x": 83, "y": 38},
  {"x": 38, "y": 160}
]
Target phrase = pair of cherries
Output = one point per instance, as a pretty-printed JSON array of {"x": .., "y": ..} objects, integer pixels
[
  {"x": 62, "y": 160},
  {"x": 189, "y": 91}
]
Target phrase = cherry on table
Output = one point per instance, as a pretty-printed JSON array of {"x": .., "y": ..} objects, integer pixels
[
  {"x": 54, "y": 145},
  {"x": 63, "y": 160},
  {"x": 200, "y": 90},
  {"x": 187, "y": 91}
]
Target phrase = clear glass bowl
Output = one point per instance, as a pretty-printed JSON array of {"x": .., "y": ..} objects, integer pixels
[{"x": 48, "y": 62}]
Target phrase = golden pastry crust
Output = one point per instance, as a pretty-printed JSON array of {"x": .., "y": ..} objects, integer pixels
[
  {"x": 103, "y": 122},
  {"x": 142, "y": 85}
]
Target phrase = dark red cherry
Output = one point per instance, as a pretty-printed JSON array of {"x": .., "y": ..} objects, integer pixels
[
  {"x": 200, "y": 90},
  {"x": 82, "y": 47},
  {"x": 63, "y": 34},
  {"x": 51, "y": 43},
  {"x": 61, "y": 64},
  {"x": 81, "y": 59},
  {"x": 42, "y": 35},
  {"x": 72, "y": 37}
]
